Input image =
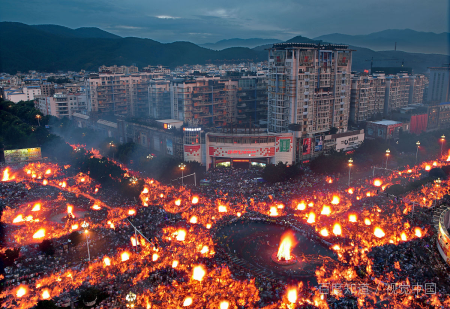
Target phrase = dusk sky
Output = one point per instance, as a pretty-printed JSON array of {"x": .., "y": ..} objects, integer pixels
[{"x": 202, "y": 21}]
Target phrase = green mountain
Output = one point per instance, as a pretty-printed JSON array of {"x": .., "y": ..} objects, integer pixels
[
  {"x": 51, "y": 48},
  {"x": 84, "y": 32},
  {"x": 250, "y": 43},
  {"x": 407, "y": 40}
]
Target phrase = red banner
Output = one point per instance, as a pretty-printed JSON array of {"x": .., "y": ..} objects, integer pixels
[
  {"x": 418, "y": 123},
  {"x": 306, "y": 146}
]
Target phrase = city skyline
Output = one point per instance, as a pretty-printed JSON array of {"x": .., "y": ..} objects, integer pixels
[{"x": 205, "y": 22}]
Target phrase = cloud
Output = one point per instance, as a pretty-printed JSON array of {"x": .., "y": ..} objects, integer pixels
[{"x": 166, "y": 17}]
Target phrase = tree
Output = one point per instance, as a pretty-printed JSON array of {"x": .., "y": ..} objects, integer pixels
[
  {"x": 75, "y": 238},
  {"x": 10, "y": 256},
  {"x": 437, "y": 173},
  {"x": 46, "y": 304},
  {"x": 46, "y": 246},
  {"x": 89, "y": 294},
  {"x": 395, "y": 190},
  {"x": 333, "y": 130}
]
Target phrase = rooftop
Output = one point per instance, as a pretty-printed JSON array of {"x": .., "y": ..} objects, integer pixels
[{"x": 385, "y": 122}]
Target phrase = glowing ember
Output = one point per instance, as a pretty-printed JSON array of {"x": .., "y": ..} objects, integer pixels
[
  {"x": 377, "y": 183},
  {"x": 352, "y": 218},
  {"x": 18, "y": 219},
  {"x": 187, "y": 301},
  {"x": 178, "y": 202},
  {"x": 222, "y": 208},
  {"x": 174, "y": 264},
  {"x": 311, "y": 217},
  {"x": 273, "y": 211},
  {"x": 427, "y": 168},
  {"x": 125, "y": 256},
  {"x": 131, "y": 212},
  {"x": 193, "y": 220},
  {"x": 403, "y": 236},
  {"x": 36, "y": 207},
  {"x": 378, "y": 232},
  {"x": 335, "y": 200},
  {"x": 21, "y": 291},
  {"x": 287, "y": 243},
  {"x": 224, "y": 305},
  {"x": 418, "y": 232},
  {"x": 198, "y": 273},
  {"x": 106, "y": 261},
  {"x": 301, "y": 206},
  {"x": 39, "y": 234},
  {"x": 292, "y": 296},
  {"x": 337, "y": 230},
  {"x": 181, "y": 235},
  {"x": 195, "y": 200},
  {"x": 326, "y": 210},
  {"x": 96, "y": 207},
  {"x": 329, "y": 180},
  {"x": 45, "y": 294},
  {"x": 350, "y": 191},
  {"x": 324, "y": 232},
  {"x": 367, "y": 221},
  {"x": 155, "y": 257}
]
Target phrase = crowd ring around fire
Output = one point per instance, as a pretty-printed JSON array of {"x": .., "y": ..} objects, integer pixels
[{"x": 311, "y": 236}]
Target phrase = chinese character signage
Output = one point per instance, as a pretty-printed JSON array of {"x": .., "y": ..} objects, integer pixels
[
  {"x": 285, "y": 145},
  {"x": 319, "y": 144},
  {"x": 22, "y": 155}
]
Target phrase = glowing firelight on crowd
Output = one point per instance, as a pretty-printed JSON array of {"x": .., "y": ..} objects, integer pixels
[
  {"x": 48, "y": 172},
  {"x": 21, "y": 291},
  {"x": 377, "y": 182},
  {"x": 224, "y": 304},
  {"x": 418, "y": 232},
  {"x": 178, "y": 202},
  {"x": 204, "y": 250},
  {"x": 5, "y": 175},
  {"x": 324, "y": 232},
  {"x": 292, "y": 296},
  {"x": 193, "y": 220},
  {"x": 96, "y": 207},
  {"x": 69, "y": 210},
  {"x": 222, "y": 208},
  {"x": 326, "y": 210},
  {"x": 131, "y": 212},
  {"x": 403, "y": 236},
  {"x": 155, "y": 257},
  {"x": 106, "y": 261},
  {"x": 195, "y": 200},
  {"x": 378, "y": 232},
  {"x": 18, "y": 219},
  {"x": 337, "y": 230},
  {"x": 36, "y": 207},
  {"x": 301, "y": 206},
  {"x": 187, "y": 301},
  {"x": 352, "y": 218},
  {"x": 273, "y": 211},
  {"x": 286, "y": 245},
  {"x": 181, "y": 235},
  {"x": 145, "y": 190},
  {"x": 174, "y": 264},
  {"x": 335, "y": 200},
  {"x": 39, "y": 234},
  {"x": 350, "y": 191},
  {"x": 198, "y": 273},
  {"x": 125, "y": 256},
  {"x": 74, "y": 227},
  {"x": 45, "y": 182},
  {"x": 367, "y": 221},
  {"x": 45, "y": 294},
  {"x": 427, "y": 168},
  {"x": 311, "y": 217}
]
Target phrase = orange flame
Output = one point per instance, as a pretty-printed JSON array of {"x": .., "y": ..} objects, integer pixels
[
  {"x": 311, "y": 217},
  {"x": 378, "y": 232},
  {"x": 352, "y": 218},
  {"x": 174, "y": 264},
  {"x": 195, "y": 200},
  {"x": 222, "y": 208},
  {"x": 301, "y": 206},
  {"x": 106, "y": 261},
  {"x": 335, "y": 200},
  {"x": 418, "y": 232},
  {"x": 337, "y": 230},
  {"x": 367, "y": 221},
  {"x": 187, "y": 302},
  {"x": 45, "y": 294},
  {"x": 39, "y": 234},
  {"x": 377, "y": 182},
  {"x": 36, "y": 207},
  {"x": 5, "y": 175},
  {"x": 287, "y": 243},
  {"x": 292, "y": 296},
  {"x": 18, "y": 219},
  {"x": 273, "y": 211},
  {"x": 326, "y": 210},
  {"x": 224, "y": 304},
  {"x": 193, "y": 220},
  {"x": 324, "y": 232},
  {"x": 181, "y": 235},
  {"x": 125, "y": 256},
  {"x": 21, "y": 291},
  {"x": 350, "y": 191},
  {"x": 198, "y": 273}
]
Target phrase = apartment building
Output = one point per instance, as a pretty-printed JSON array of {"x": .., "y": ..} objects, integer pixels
[
  {"x": 62, "y": 104},
  {"x": 251, "y": 109},
  {"x": 159, "y": 99},
  {"x": 17, "y": 94},
  {"x": 367, "y": 96},
  {"x": 397, "y": 92},
  {"x": 47, "y": 89},
  {"x": 417, "y": 85},
  {"x": 438, "y": 89},
  {"x": 118, "y": 70},
  {"x": 204, "y": 101}
]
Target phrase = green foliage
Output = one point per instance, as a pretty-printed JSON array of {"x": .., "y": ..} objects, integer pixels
[
  {"x": 46, "y": 246},
  {"x": 281, "y": 172},
  {"x": 335, "y": 162},
  {"x": 10, "y": 256},
  {"x": 395, "y": 190},
  {"x": 46, "y": 304},
  {"x": 89, "y": 294},
  {"x": 437, "y": 173}
]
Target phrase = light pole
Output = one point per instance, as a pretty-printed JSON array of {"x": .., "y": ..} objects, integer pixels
[
  {"x": 111, "y": 145},
  {"x": 182, "y": 166},
  {"x": 130, "y": 298},
  {"x": 417, "y": 152},
  {"x": 350, "y": 163},
  {"x": 133, "y": 180},
  {"x": 85, "y": 226},
  {"x": 38, "y": 117},
  {"x": 388, "y": 152},
  {"x": 438, "y": 184},
  {"x": 150, "y": 157},
  {"x": 442, "y": 142}
]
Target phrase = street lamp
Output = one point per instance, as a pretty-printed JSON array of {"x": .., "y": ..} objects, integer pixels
[
  {"x": 438, "y": 183},
  {"x": 111, "y": 145},
  {"x": 182, "y": 167},
  {"x": 150, "y": 157},
  {"x": 417, "y": 152},
  {"x": 85, "y": 226},
  {"x": 388, "y": 152},
  {"x": 350, "y": 164},
  {"x": 38, "y": 117},
  {"x": 442, "y": 142},
  {"x": 133, "y": 180},
  {"x": 130, "y": 298}
]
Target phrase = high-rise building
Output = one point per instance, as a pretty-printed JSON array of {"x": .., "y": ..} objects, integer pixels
[
  {"x": 417, "y": 85},
  {"x": 397, "y": 92},
  {"x": 251, "y": 106},
  {"x": 204, "y": 101},
  {"x": 159, "y": 99},
  {"x": 438, "y": 89},
  {"x": 367, "y": 97},
  {"x": 309, "y": 86}
]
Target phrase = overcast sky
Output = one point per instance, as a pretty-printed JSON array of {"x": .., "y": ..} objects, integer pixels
[{"x": 202, "y": 21}]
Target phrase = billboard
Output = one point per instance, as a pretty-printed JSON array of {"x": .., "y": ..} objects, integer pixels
[
  {"x": 318, "y": 143},
  {"x": 349, "y": 142},
  {"x": 169, "y": 147},
  {"x": 285, "y": 145},
  {"x": 23, "y": 155},
  {"x": 306, "y": 146}
]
